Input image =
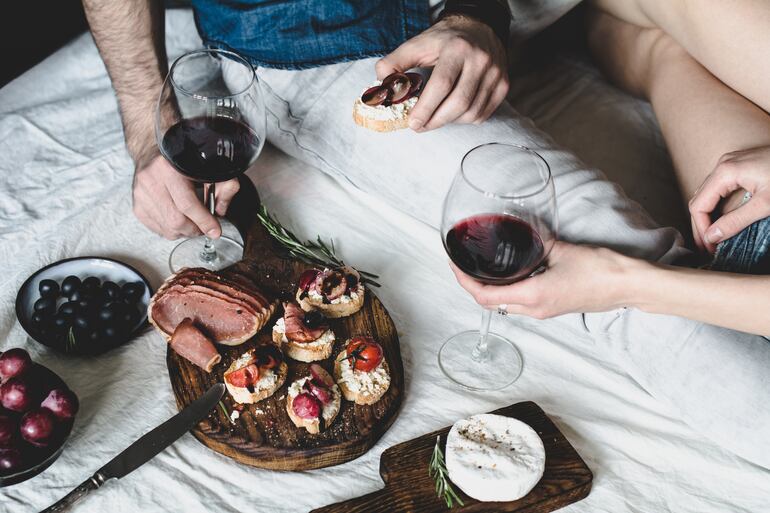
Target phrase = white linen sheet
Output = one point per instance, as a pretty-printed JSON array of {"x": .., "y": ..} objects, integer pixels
[{"x": 65, "y": 191}]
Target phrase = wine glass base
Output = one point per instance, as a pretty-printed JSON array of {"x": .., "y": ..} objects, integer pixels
[
  {"x": 189, "y": 253},
  {"x": 501, "y": 366}
]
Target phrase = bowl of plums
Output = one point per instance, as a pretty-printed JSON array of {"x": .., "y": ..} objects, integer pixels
[
  {"x": 37, "y": 411},
  {"x": 84, "y": 305}
]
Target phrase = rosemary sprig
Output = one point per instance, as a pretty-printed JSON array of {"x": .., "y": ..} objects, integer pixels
[
  {"x": 224, "y": 410},
  {"x": 437, "y": 470},
  {"x": 315, "y": 253},
  {"x": 71, "y": 342}
]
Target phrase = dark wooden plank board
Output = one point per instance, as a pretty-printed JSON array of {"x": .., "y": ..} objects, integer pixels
[
  {"x": 264, "y": 436},
  {"x": 409, "y": 488}
]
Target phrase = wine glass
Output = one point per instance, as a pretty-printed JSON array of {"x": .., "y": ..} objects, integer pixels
[
  {"x": 499, "y": 224},
  {"x": 210, "y": 125}
]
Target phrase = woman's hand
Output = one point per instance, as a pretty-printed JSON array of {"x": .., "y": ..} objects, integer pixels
[
  {"x": 578, "y": 279},
  {"x": 748, "y": 170},
  {"x": 469, "y": 79}
]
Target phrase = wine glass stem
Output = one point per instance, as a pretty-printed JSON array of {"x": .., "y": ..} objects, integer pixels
[
  {"x": 209, "y": 252},
  {"x": 480, "y": 353}
]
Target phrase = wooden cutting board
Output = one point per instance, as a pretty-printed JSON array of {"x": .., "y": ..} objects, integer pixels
[
  {"x": 264, "y": 436},
  {"x": 409, "y": 488}
]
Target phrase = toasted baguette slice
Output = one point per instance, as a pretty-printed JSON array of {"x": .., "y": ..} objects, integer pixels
[
  {"x": 318, "y": 349},
  {"x": 362, "y": 115},
  {"x": 333, "y": 311},
  {"x": 358, "y": 386},
  {"x": 243, "y": 396},
  {"x": 313, "y": 426}
]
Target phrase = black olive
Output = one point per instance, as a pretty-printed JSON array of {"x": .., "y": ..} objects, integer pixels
[
  {"x": 61, "y": 323},
  {"x": 87, "y": 305},
  {"x": 70, "y": 285},
  {"x": 132, "y": 292},
  {"x": 352, "y": 280},
  {"x": 82, "y": 322},
  {"x": 314, "y": 319},
  {"x": 78, "y": 294},
  {"x": 108, "y": 313},
  {"x": 111, "y": 290},
  {"x": 128, "y": 317},
  {"x": 47, "y": 304},
  {"x": 68, "y": 309},
  {"x": 48, "y": 288},
  {"x": 38, "y": 318},
  {"x": 108, "y": 335},
  {"x": 92, "y": 283}
]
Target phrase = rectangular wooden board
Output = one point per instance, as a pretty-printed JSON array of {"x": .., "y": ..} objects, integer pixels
[{"x": 409, "y": 488}]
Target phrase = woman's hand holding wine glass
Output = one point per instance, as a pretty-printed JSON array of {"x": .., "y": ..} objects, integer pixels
[
  {"x": 499, "y": 224},
  {"x": 597, "y": 279}
]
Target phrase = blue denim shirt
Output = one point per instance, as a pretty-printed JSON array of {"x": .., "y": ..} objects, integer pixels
[
  {"x": 748, "y": 252},
  {"x": 295, "y": 34}
]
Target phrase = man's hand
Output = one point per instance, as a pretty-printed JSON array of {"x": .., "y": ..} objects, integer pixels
[
  {"x": 747, "y": 170},
  {"x": 469, "y": 79},
  {"x": 166, "y": 202}
]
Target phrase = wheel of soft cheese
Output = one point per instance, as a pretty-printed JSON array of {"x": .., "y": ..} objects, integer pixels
[{"x": 494, "y": 458}]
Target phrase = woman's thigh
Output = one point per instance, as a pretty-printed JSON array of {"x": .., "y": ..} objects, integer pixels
[{"x": 310, "y": 117}]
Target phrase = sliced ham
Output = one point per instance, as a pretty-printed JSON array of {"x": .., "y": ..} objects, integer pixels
[
  {"x": 296, "y": 330},
  {"x": 192, "y": 344},
  {"x": 227, "y": 311}
]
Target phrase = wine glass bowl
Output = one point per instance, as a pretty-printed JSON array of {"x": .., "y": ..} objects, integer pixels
[
  {"x": 498, "y": 226},
  {"x": 210, "y": 125}
]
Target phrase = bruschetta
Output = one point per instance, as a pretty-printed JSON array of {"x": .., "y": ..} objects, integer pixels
[
  {"x": 303, "y": 336},
  {"x": 256, "y": 375},
  {"x": 334, "y": 292},
  {"x": 314, "y": 400},
  {"x": 361, "y": 371}
]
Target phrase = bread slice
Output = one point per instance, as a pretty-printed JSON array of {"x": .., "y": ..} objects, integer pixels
[
  {"x": 314, "y": 426},
  {"x": 361, "y": 387},
  {"x": 243, "y": 396},
  {"x": 307, "y": 352},
  {"x": 364, "y": 116},
  {"x": 333, "y": 310}
]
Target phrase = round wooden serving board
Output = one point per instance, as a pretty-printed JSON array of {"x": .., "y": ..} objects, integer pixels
[{"x": 264, "y": 436}]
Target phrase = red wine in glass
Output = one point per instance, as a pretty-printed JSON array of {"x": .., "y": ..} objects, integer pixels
[
  {"x": 496, "y": 249},
  {"x": 210, "y": 149}
]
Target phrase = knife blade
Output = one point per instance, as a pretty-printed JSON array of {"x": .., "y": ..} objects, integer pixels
[{"x": 146, "y": 447}]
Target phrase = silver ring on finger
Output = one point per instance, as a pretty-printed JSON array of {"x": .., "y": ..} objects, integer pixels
[{"x": 502, "y": 310}]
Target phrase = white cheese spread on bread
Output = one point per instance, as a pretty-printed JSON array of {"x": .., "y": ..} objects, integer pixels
[
  {"x": 494, "y": 458},
  {"x": 329, "y": 410},
  {"x": 363, "y": 382}
]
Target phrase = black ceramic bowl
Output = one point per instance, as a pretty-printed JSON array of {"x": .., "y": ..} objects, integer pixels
[
  {"x": 41, "y": 459},
  {"x": 101, "y": 267}
]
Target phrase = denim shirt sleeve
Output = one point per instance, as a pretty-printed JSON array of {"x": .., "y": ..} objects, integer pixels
[
  {"x": 294, "y": 34},
  {"x": 748, "y": 252}
]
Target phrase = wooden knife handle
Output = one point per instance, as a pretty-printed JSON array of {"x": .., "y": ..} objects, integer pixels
[{"x": 87, "y": 486}]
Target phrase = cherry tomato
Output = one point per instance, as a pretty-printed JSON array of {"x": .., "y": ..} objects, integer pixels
[
  {"x": 243, "y": 377},
  {"x": 364, "y": 353}
]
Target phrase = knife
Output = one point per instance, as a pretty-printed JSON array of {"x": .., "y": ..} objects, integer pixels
[{"x": 146, "y": 448}]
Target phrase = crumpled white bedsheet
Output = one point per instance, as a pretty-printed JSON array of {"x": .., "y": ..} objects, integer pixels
[{"x": 65, "y": 191}]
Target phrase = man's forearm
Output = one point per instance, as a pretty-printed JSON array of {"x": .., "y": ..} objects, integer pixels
[{"x": 130, "y": 36}]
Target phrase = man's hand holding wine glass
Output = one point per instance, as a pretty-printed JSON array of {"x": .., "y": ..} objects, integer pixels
[{"x": 166, "y": 202}]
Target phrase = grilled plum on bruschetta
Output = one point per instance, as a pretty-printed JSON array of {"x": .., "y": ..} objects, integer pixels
[
  {"x": 303, "y": 336},
  {"x": 361, "y": 371},
  {"x": 335, "y": 292},
  {"x": 256, "y": 375},
  {"x": 313, "y": 401}
]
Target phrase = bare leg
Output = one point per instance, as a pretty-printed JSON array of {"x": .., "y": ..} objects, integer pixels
[
  {"x": 731, "y": 38},
  {"x": 700, "y": 117}
]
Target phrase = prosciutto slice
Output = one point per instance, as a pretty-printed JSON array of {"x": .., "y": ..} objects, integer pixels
[
  {"x": 192, "y": 344},
  {"x": 296, "y": 330}
]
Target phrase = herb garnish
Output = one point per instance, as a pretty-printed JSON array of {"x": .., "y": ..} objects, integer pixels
[
  {"x": 437, "y": 470},
  {"x": 315, "y": 253}
]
